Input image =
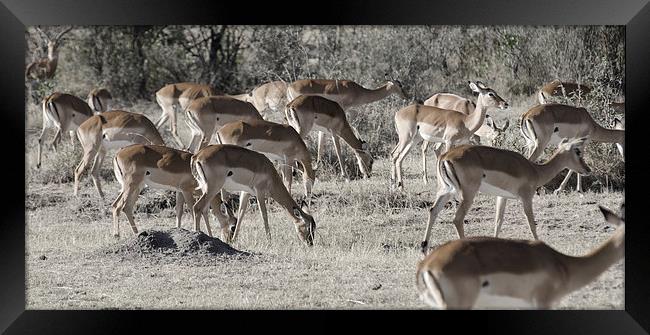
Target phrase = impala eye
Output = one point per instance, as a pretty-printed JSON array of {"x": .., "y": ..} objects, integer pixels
[{"x": 491, "y": 94}]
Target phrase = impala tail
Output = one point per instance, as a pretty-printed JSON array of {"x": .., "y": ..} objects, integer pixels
[
  {"x": 199, "y": 175},
  {"x": 448, "y": 176},
  {"x": 430, "y": 291},
  {"x": 117, "y": 170}
]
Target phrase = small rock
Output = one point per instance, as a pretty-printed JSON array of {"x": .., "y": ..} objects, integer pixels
[
  {"x": 42, "y": 257},
  {"x": 376, "y": 287}
]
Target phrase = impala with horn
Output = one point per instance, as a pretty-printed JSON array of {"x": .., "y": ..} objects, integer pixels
[
  {"x": 45, "y": 68},
  {"x": 485, "y": 272},
  {"x": 418, "y": 122},
  {"x": 233, "y": 168}
]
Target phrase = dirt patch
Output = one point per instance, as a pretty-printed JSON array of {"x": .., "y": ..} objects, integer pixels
[
  {"x": 34, "y": 201},
  {"x": 173, "y": 245}
]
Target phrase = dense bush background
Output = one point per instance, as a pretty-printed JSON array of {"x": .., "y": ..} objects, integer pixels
[{"x": 135, "y": 61}]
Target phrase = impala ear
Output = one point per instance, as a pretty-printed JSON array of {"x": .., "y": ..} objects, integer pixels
[
  {"x": 481, "y": 85},
  {"x": 505, "y": 125},
  {"x": 473, "y": 87},
  {"x": 618, "y": 123},
  {"x": 224, "y": 209},
  {"x": 489, "y": 121},
  {"x": 611, "y": 217}
]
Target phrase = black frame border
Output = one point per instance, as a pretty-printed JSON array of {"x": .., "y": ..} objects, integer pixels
[{"x": 634, "y": 14}]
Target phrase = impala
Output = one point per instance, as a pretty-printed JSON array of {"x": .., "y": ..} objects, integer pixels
[
  {"x": 111, "y": 130},
  {"x": 309, "y": 111},
  {"x": 100, "y": 99},
  {"x": 66, "y": 112},
  {"x": 206, "y": 115},
  {"x": 271, "y": 95},
  {"x": 491, "y": 272},
  {"x": 434, "y": 124},
  {"x": 45, "y": 68},
  {"x": 168, "y": 96},
  {"x": 278, "y": 142},
  {"x": 557, "y": 88},
  {"x": 346, "y": 93},
  {"x": 233, "y": 168},
  {"x": 163, "y": 168},
  {"x": 466, "y": 170},
  {"x": 548, "y": 124},
  {"x": 488, "y": 132}
]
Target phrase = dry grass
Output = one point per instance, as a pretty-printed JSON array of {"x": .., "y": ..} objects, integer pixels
[{"x": 364, "y": 256}]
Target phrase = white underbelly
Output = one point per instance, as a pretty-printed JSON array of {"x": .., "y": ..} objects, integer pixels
[
  {"x": 490, "y": 301},
  {"x": 233, "y": 186},
  {"x": 430, "y": 138},
  {"x": 115, "y": 144},
  {"x": 494, "y": 190},
  {"x": 152, "y": 184},
  {"x": 273, "y": 157}
]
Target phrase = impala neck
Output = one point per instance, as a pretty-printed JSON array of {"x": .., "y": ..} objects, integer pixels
[
  {"x": 550, "y": 169},
  {"x": 475, "y": 119},
  {"x": 368, "y": 96},
  {"x": 280, "y": 194},
  {"x": 583, "y": 270},
  {"x": 601, "y": 134},
  {"x": 52, "y": 53}
]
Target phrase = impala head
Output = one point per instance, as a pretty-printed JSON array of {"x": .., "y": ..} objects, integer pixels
[
  {"x": 619, "y": 123},
  {"x": 227, "y": 221},
  {"x": 613, "y": 218},
  {"x": 487, "y": 96},
  {"x": 365, "y": 160},
  {"x": 305, "y": 224},
  {"x": 574, "y": 150},
  {"x": 395, "y": 86},
  {"x": 498, "y": 133}
]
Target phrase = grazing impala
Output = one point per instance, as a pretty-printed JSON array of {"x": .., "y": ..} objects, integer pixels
[
  {"x": 66, "y": 112},
  {"x": 434, "y": 124},
  {"x": 168, "y": 96},
  {"x": 548, "y": 124},
  {"x": 233, "y": 168},
  {"x": 310, "y": 111},
  {"x": 345, "y": 92},
  {"x": 111, "y": 130},
  {"x": 206, "y": 115},
  {"x": 487, "y": 133},
  {"x": 45, "y": 68},
  {"x": 272, "y": 95},
  {"x": 466, "y": 170},
  {"x": 556, "y": 88},
  {"x": 100, "y": 99},
  {"x": 279, "y": 142},
  {"x": 163, "y": 168},
  {"x": 482, "y": 272}
]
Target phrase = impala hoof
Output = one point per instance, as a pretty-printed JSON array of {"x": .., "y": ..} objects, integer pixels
[{"x": 424, "y": 246}]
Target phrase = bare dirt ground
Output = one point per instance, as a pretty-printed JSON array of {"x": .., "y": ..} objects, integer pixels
[{"x": 364, "y": 256}]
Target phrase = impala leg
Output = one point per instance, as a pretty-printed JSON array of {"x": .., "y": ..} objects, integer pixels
[
  {"x": 337, "y": 148},
  {"x": 261, "y": 202},
  {"x": 163, "y": 116},
  {"x": 528, "y": 211},
  {"x": 85, "y": 161},
  {"x": 56, "y": 139},
  {"x": 72, "y": 136},
  {"x": 564, "y": 182},
  {"x": 425, "y": 145},
  {"x": 94, "y": 171},
  {"x": 579, "y": 183},
  {"x": 173, "y": 127},
  {"x": 398, "y": 163},
  {"x": 443, "y": 197},
  {"x": 243, "y": 205},
  {"x": 180, "y": 202},
  {"x": 498, "y": 219},
  {"x": 40, "y": 146},
  {"x": 463, "y": 207},
  {"x": 200, "y": 208},
  {"x": 319, "y": 149},
  {"x": 125, "y": 203}
]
